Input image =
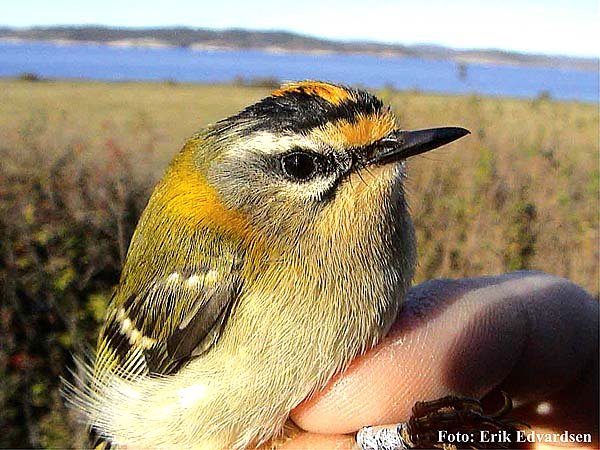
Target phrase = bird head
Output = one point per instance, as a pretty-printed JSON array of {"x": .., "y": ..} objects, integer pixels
[
  {"x": 313, "y": 154},
  {"x": 311, "y": 163}
]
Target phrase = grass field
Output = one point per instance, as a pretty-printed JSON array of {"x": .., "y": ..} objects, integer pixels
[{"x": 79, "y": 161}]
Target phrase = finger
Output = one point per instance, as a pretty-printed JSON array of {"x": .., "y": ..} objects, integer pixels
[
  {"x": 528, "y": 332},
  {"x": 573, "y": 408},
  {"x": 315, "y": 441}
]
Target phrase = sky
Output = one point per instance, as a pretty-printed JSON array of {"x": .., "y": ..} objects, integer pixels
[{"x": 555, "y": 27}]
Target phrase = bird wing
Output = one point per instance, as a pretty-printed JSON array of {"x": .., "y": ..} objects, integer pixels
[{"x": 174, "y": 318}]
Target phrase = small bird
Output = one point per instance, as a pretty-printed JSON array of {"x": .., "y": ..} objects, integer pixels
[{"x": 277, "y": 247}]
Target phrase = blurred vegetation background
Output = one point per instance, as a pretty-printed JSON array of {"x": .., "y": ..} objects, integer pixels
[{"x": 79, "y": 161}]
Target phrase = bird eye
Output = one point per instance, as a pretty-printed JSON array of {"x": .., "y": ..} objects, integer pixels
[{"x": 299, "y": 166}]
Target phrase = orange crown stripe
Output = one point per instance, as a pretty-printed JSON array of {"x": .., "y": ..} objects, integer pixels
[
  {"x": 365, "y": 130},
  {"x": 330, "y": 92}
]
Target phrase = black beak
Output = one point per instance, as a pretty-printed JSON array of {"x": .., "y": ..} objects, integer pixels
[{"x": 401, "y": 144}]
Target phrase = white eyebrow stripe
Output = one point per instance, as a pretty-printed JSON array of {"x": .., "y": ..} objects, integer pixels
[{"x": 271, "y": 143}]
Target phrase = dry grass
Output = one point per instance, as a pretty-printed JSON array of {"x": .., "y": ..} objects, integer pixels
[{"x": 79, "y": 160}]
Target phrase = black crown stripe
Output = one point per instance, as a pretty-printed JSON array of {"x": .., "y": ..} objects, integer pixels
[{"x": 299, "y": 111}]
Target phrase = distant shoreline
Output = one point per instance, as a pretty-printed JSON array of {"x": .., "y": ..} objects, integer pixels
[{"x": 277, "y": 42}]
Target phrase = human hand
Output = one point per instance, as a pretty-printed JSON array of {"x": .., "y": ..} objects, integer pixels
[{"x": 532, "y": 335}]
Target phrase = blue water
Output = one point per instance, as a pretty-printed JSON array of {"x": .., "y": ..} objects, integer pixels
[{"x": 102, "y": 62}]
